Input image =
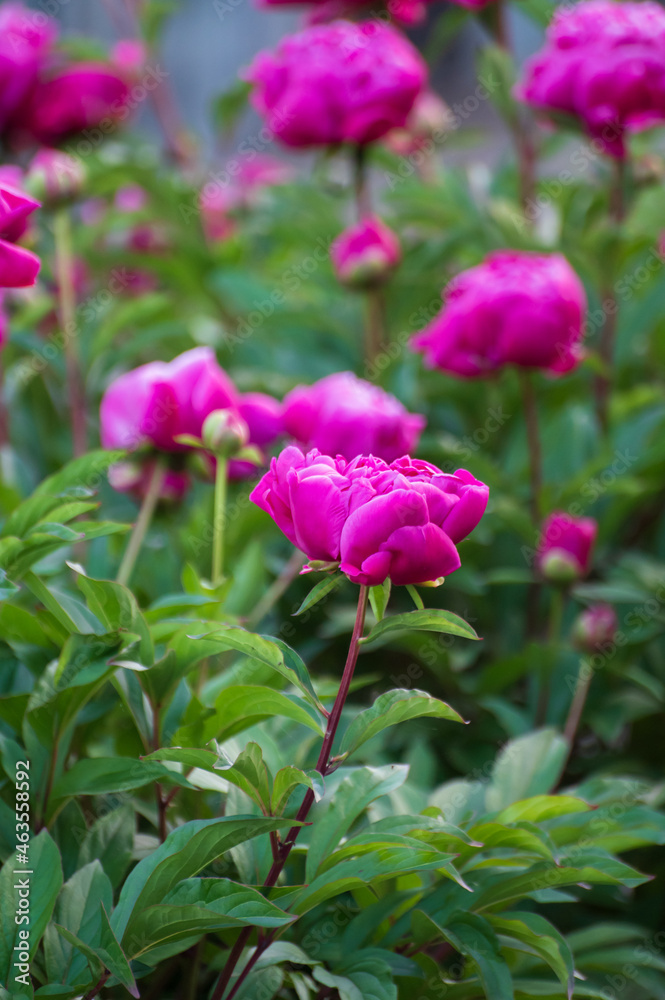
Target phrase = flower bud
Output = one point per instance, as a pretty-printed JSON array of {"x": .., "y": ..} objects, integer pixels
[
  {"x": 225, "y": 433},
  {"x": 565, "y": 548},
  {"x": 365, "y": 255},
  {"x": 559, "y": 566},
  {"x": 54, "y": 176},
  {"x": 594, "y": 627}
]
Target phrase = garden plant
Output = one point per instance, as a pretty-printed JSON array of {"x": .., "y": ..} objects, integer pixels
[{"x": 332, "y": 538}]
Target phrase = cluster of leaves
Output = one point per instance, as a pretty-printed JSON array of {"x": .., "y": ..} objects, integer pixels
[{"x": 170, "y": 743}]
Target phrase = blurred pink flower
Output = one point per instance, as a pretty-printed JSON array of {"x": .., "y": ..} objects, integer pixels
[
  {"x": 365, "y": 254},
  {"x": 339, "y": 82},
  {"x": 18, "y": 267},
  {"x": 604, "y": 64},
  {"x": 516, "y": 308},
  {"x": 26, "y": 37},
  {"x": 566, "y": 547}
]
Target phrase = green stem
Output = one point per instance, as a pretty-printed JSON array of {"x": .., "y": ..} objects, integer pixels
[
  {"x": 323, "y": 767},
  {"x": 64, "y": 265},
  {"x": 578, "y": 703},
  {"x": 533, "y": 440},
  {"x": 219, "y": 519},
  {"x": 557, "y": 606},
  {"x": 142, "y": 523},
  {"x": 375, "y": 326}
]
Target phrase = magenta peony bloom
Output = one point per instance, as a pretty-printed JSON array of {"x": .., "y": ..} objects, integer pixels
[
  {"x": 26, "y": 37},
  {"x": 515, "y": 308},
  {"x": 401, "y": 521},
  {"x": 18, "y": 267},
  {"x": 565, "y": 547},
  {"x": 603, "y": 63},
  {"x": 79, "y": 97},
  {"x": 365, "y": 254},
  {"x": 339, "y": 82},
  {"x": 154, "y": 404},
  {"x": 263, "y": 415},
  {"x": 595, "y": 627},
  {"x": 344, "y": 415}
]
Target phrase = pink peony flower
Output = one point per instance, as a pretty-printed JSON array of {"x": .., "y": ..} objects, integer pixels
[
  {"x": 79, "y": 97},
  {"x": 339, "y": 82},
  {"x": 515, "y": 308},
  {"x": 56, "y": 175},
  {"x": 400, "y": 521},
  {"x": 365, "y": 254},
  {"x": 565, "y": 547},
  {"x": 604, "y": 64},
  {"x": 154, "y": 404},
  {"x": 26, "y": 37},
  {"x": 18, "y": 267},
  {"x": 344, "y": 415},
  {"x": 218, "y": 201}
]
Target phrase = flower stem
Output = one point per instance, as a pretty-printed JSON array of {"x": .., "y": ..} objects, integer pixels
[
  {"x": 323, "y": 767},
  {"x": 64, "y": 264},
  {"x": 219, "y": 518},
  {"x": 142, "y": 522},
  {"x": 375, "y": 325},
  {"x": 533, "y": 439},
  {"x": 276, "y": 589},
  {"x": 584, "y": 679},
  {"x": 603, "y": 381},
  {"x": 557, "y": 607},
  {"x": 361, "y": 187}
]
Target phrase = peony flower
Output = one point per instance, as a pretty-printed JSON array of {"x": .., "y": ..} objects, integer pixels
[
  {"x": 595, "y": 627},
  {"x": 409, "y": 530},
  {"x": 79, "y": 97},
  {"x": 339, "y": 82},
  {"x": 515, "y": 308},
  {"x": 309, "y": 499},
  {"x": 18, "y": 267},
  {"x": 364, "y": 255},
  {"x": 26, "y": 37},
  {"x": 158, "y": 402},
  {"x": 400, "y": 521},
  {"x": 344, "y": 415},
  {"x": 604, "y": 64},
  {"x": 565, "y": 547}
]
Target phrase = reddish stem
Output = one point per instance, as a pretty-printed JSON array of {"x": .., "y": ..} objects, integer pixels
[{"x": 322, "y": 766}]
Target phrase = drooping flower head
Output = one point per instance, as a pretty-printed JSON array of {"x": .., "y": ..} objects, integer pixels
[
  {"x": 566, "y": 547},
  {"x": 337, "y": 83},
  {"x": 344, "y": 415},
  {"x": 604, "y": 64},
  {"x": 365, "y": 254},
  {"x": 516, "y": 308},
  {"x": 400, "y": 521}
]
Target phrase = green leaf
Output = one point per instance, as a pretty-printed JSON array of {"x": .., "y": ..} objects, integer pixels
[
  {"x": 391, "y": 708},
  {"x": 7, "y": 588},
  {"x": 319, "y": 592},
  {"x": 108, "y": 951},
  {"x": 101, "y": 775},
  {"x": 250, "y": 774},
  {"x": 186, "y": 851},
  {"x": 537, "y": 936},
  {"x": 45, "y": 882},
  {"x": 540, "y": 808},
  {"x": 430, "y": 620},
  {"x": 350, "y": 800},
  {"x": 379, "y": 597},
  {"x": 72, "y": 614},
  {"x": 287, "y": 780},
  {"x": 519, "y": 838},
  {"x": 78, "y": 911},
  {"x": 117, "y": 608},
  {"x": 273, "y": 652},
  {"x": 198, "y": 905},
  {"x": 83, "y": 474},
  {"x": 529, "y": 765},
  {"x": 241, "y": 706},
  {"x": 599, "y": 869},
  {"x": 111, "y": 840},
  {"x": 473, "y": 937}
]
